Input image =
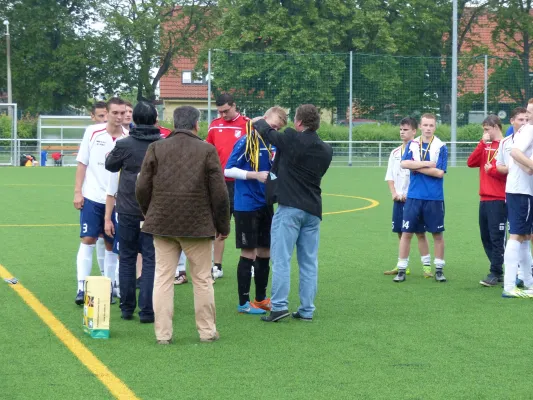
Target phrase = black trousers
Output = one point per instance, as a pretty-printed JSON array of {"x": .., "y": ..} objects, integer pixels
[
  {"x": 492, "y": 226},
  {"x": 131, "y": 242}
]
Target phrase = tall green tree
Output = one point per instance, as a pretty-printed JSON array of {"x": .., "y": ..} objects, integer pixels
[{"x": 151, "y": 34}]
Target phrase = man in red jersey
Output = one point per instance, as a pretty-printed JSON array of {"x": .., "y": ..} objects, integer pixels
[
  {"x": 492, "y": 207},
  {"x": 223, "y": 133}
]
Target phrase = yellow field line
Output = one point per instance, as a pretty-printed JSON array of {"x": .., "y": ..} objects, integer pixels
[
  {"x": 35, "y": 225},
  {"x": 373, "y": 203},
  {"x": 87, "y": 358}
]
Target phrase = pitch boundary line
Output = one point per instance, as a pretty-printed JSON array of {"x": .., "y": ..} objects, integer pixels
[
  {"x": 82, "y": 353},
  {"x": 373, "y": 203},
  {"x": 35, "y": 225}
]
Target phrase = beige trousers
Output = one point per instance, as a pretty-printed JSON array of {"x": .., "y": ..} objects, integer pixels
[{"x": 167, "y": 254}]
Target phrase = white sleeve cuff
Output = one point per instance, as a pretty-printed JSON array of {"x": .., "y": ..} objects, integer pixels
[{"x": 235, "y": 173}]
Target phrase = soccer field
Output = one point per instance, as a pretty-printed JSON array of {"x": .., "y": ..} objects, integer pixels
[{"x": 370, "y": 338}]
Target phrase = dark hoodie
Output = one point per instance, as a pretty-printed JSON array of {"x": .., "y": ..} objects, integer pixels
[{"x": 127, "y": 157}]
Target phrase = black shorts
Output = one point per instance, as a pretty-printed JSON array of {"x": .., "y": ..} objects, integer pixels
[
  {"x": 252, "y": 228},
  {"x": 230, "y": 185}
]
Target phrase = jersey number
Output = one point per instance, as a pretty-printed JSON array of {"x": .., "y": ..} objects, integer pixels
[
  {"x": 84, "y": 228},
  {"x": 405, "y": 224}
]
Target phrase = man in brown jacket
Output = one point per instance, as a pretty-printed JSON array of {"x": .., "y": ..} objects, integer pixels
[{"x": 182, "y": 193}]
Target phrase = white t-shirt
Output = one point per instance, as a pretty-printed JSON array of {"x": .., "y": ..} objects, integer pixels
[
  {"x": 112, "y": 186},
  {"x": 518, "y": 181},
  {"x": 396, "y": 173},
  {"x": 94, "y": 148},
  {"x": 504, "y": 151}
]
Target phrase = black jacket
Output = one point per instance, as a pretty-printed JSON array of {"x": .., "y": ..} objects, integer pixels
[
  {"x": 127, "y": 157},
  {"x": 301, "y": 161}
]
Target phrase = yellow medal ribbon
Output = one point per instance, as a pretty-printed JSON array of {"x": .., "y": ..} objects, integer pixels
[
  {"x": 489, "y": 158},
  {"x": 423, "y": 158}
]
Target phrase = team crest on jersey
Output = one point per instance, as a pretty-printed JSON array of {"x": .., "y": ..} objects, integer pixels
[{"x": 238, "y": 134}]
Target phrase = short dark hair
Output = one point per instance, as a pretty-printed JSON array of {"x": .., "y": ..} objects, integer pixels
[
  {"x": 413, "y": 123},
  {"x": 98, "y": 104},
  {"x": 115, "y": 100},
  {"x": 309, "y": 116},
  {"x": 128, "y": 104},
  {"x": 492, "y": 121},
  {"x": 518, "y": 110},
  {"x": 429, "y": 116},
  {"x": 225, "y": 98},
  {"x": 144, "y": 113},
  {"x": 186, "y": 117}
]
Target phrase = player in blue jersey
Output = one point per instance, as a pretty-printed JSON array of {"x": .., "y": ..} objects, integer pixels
[
  {"x": 427, "y": 159},
  {"x": 249, "y": 164}
]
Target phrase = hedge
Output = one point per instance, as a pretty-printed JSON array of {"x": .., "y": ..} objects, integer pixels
[{"x": 27, "y": 129}]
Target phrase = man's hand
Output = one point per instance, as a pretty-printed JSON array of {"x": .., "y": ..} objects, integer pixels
[
  {"x": 396, "y": 197},
  {"x": 403, "y": 198},
  {"x": 430, "y": 164},
  {"x": 262, "y": 176},
  {"x": 109, "y": 228},
  {"x": 486, "y": 138},
  {"x": 78, "y": 200},
  {"x": 488, "y": 166},
  {"x": 220, "y": 236}
]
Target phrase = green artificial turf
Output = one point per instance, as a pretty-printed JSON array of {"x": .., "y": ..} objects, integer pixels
[{"x": 370, "y": 338}]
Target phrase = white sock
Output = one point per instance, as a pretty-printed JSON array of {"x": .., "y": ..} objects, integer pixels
[
  {"x": 117, "y": 281},
  {"x": 520, "y": 274},
  {"x": 100, "y": 254},
  {"x": 181, "y": 263},
  {"x": 439, "y": 264},
  {"x": 110, "y": 266},
  {"x": 525, "y": 259},
  {"x": 426, "y": 260},
  {"x": 402, "y": 263},
  {"x": 511, "y": 259},
  {"x": 84, "y": 263}
]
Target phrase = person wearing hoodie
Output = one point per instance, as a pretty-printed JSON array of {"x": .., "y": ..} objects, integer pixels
[{"x": 127, "y": 157}]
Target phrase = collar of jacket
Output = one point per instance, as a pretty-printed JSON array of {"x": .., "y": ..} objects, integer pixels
[
  {"x": 185, "y": 132},
  {"x": 146, "y": 132}
]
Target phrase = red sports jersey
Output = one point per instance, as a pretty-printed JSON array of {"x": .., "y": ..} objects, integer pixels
[
  {"x": 491, "y": 183},
  {"x": 224, "y": 134},
  {"x": 164, "y": 131}
]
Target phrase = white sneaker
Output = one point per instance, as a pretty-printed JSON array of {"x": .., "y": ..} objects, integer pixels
[
  {"x": 253, "y": 272},
  {"x": 217, "y": 273}
]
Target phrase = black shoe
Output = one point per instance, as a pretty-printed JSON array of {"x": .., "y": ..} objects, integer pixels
[
  {"x": 275, "y": 316},
  {"x": 297, "y": 315},
  {"x": 400, "y": 277},
  {"x": 80, "y": 297},
  {"x": 490, "y": 281},
  {"x": 126, "y": 316},
  {"x": 500, "y": 279},
  {"x": 147, "y": 320}
]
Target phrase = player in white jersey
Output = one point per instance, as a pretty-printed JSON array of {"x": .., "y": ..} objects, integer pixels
[
  {"x": 519, "y": 118},
  {"x": 90, "y": 188},
  {"x": 519, "y": 198},
  {"x": 398, "y": 180}
]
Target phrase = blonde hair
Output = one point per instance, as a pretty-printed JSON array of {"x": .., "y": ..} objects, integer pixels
[{"x": 280, "y": 113}]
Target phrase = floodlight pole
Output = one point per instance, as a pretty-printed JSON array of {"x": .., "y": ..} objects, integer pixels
[
  {"x": 209, "y": 87},
  {"x": 8, "y": 51},
  {"x": 350, "y": 115},
  {"x": 454, "y": 87}
]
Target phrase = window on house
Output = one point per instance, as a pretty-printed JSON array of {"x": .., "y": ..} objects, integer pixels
[
  {"x": 191, "y": 77},
  {"x": 186, "y": 77}
]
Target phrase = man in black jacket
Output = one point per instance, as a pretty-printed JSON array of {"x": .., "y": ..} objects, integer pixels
[
  {"x": 127, "y": 157},
  {"x": 301, "y": 161}
]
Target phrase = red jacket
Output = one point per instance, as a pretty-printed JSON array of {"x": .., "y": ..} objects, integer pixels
[{"x": 492, "y": 183}]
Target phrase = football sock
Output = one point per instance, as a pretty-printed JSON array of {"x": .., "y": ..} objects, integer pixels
[
  {"x": 511, "y": 259},
  {"x": 426, "y": 260},
  {"x": 261, "y": 272},
  {"x": 402, "y": 263},
  {"x": 100, "y": 254},
  {"x": 84, "y": 262},
  {"x": 525, "y": 259},
  {"x": 219, "y": 266},
  {"x": 110, "y": 265},
  {"x": 244, "y": 279},
  {"x": 439, "y": 264}
]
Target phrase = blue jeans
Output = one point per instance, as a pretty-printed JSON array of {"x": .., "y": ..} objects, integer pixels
[{"x": 291, "y": 227}]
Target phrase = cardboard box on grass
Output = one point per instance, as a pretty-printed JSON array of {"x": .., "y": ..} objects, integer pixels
[{"x": 97, "y": 306}]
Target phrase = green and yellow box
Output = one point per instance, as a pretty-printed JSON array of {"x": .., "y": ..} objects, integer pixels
[{"x": 96, "y": 308}]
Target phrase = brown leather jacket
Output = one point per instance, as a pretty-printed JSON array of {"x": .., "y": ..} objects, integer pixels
[{"x": 181, "y": 188}]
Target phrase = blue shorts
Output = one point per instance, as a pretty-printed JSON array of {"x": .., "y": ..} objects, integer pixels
[
  {"x": 519, "y": 213},
  {"x": 92, "y": 217},
  {"x": 397, "y": 218},
  {"x": 115, "y": 239},
  {"x": 426, "y": 213}
]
